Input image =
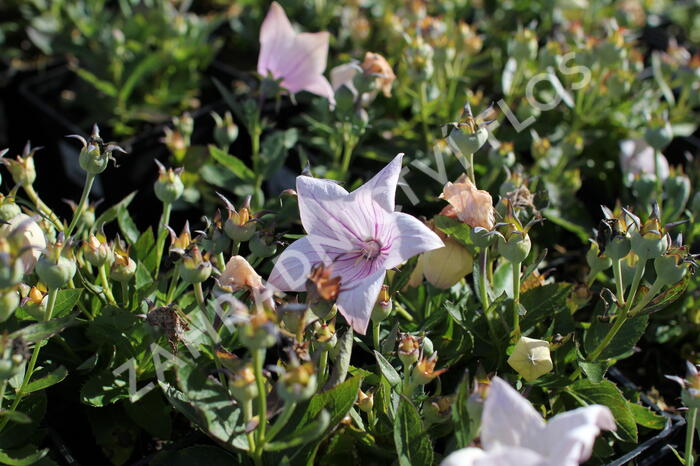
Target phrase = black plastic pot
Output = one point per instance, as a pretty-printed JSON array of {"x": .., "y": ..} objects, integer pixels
[{"x": 656, "y": 450}]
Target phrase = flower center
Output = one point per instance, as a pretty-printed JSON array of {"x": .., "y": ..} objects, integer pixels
[{"x": 371, "y": 249}]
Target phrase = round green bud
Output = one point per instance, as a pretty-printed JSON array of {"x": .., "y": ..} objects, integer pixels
[
  {"x": 648, "y": 246},
  {"x": 8, "y": 210},
  {"x": 659, "y": 137},
  {"x": 169, "y": 188},
  {"x": 9, "y": 302},
  {"x": 261, "y": 247},
  {"x": 428, "y": 348},
  {"x": 516, "y": 248},
  {"x": 92, "y": 160},
  {"x": 55, "y": 274},
  {"x": 239, "y": 233},
  {"x": 123, "y": 268},
  {"x": 618, "y": 247},
  {"x": 668, "y": 269},
  {"x": 467, "y": 143},
  {"x": 11, "y": 271},
  {"x": 195, "y": 273}
]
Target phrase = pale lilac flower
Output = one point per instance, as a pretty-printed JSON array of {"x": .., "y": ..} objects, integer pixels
[
  {"x": 514, "y": 434},
  {"x": 298, "y": 59},
  {"x": 358, "y": 234},
  {"x": 691, "y": 383},
  {"x": 637, "y": 158}
]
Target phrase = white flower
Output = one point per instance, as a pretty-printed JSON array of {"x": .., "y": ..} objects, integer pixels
[
  {"x": 637, "y": 158},
  {"x": 514, "y": 434}
]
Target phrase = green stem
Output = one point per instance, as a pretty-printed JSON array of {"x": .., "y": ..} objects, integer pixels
[
  {"x": 691, "y": 419},
  {"x": 3, "y": 386},
  {"x": 125, "y": 294},
  {"x": 482, "y": 279},
  {"x": 106, "y": 287},
  {"x": 173, "y": 286},
  {"x": 258, "y": 361},
  {"x": 199, "y": 295},
  {"x": 408, "y": 387},
  {"x": 323, "y": 366},
  {"x": 376, "y": 327},
  {"x": 402, "y": 312},
  {"x": 89, "y": 180},
  {"x": 638, "y": 272},
  {"x": 53, "y": 293},
  {"x": 34, "y": 197},
  {"x": 247, "y": 416},
  {"x": 620, "y": 320},
  {"x": 281, "y": 420},
  {"x": 516, "y": 299},
  {"x": 470, "y": 168},
  {"x": 162, "y": 233},
  {"x": 617, "y": 273},
  {"x": 653, "y": 291}
]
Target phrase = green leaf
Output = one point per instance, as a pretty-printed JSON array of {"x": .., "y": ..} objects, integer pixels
[
  {"x": 274, "y": 150},
  {"x": 666, "y": 298},
  {"x": 24, "y": 456},
  {"x": 542, "y": 302},
  {"x": 103, "y": 86},
  {"x": 48, "y": 380},
  {"x": 387, "y": 370},
  {"x": 127, "y": 226},
  {"x": 111, "y": 213},
  {"x": 15, "y": 416},
  {"x": 145, "y": 250},
  {"x": 466, "y": 426},
  {"x": 142, "y": 278},
  {"x": 150, "y": 63},
  {"x": 595, "y": 371},
  {"x": 303, "y": 436},
  {"x": 152, "y": 413},
  {"x": 413, "y": 444},
  {"x": 232, "y": 163},
  {"x": 456, "y": 229},
  {"x": 206, "y": 403},
  {"x": 66, "y": 300},
  {"x": 342, "y": 361},
  {"x": 104, "y": 388},
  {"x": 622, "y": 344},
  {"x": 43, "y": 330},
  {"x": 197, "y": 454},
  {"x": 607, "y": 394},
  {"x": 645, "y": 417}
]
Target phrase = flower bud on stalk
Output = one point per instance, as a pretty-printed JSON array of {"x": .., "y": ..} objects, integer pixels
[
  {"x": 259, "y": 332},
  {"x": 216, "y": 240},
  {"x": 195, "y": 267},
  {"x": 383, "y": 307},
  {"x": 409, "y": 349},
  {"x": 242, "y": 384},
  {"x": 168, "y": 187},
  {"x": 226, "y": 131},
  {"x": 673, "y": 266},
  {"x": 424, "y": 371},
  {"x": 95, "y": 154},
  {"x": 325, "y": 334},
  {"x": 239, "y": 226},
  {"x": 97, "y": 251},
  {"x": 262, "y": 245},
  {"x": 612, "y": 236},
  {"x": 54, "y": 268},
  {"x": 35, "y": 302},
  {"x": 677, "y": 191},
  {"x": 322, "y": 290},
  {"x": 8, "y": 208},
  {"x": 9, "y": 302},
  {"x": 437, "y": 410},
  {"x": 123, "y": 267},
  {"x": 649, "y": 240},
  {"x": 22, "y": 169},
  {"x": 298, "y": 383},
  {"x": 11, "y": 267},
  {"x": 531, "y": 358},
  {"x": 365, "y": 401},
  {"x": 596, "y": 260},
  {"x": 513, "y": 241}
]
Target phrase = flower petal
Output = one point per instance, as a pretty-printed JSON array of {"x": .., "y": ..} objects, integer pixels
[
  {"x": 464, "y": 457},
  {"x": 408, "y": 238},
  {"x": 509, "y": 420},
  {"x": 293, "y": 266},
  {"x": 304, "y": 59},
  {"x": 319, "y": 85},
  {"x": 356, "y": 303},
  {"x": 569, "y": 436},
  {"x": 320, "y": 207},
  {"x": 276, "y": 36},
  {"x": 382, "y": 187}
]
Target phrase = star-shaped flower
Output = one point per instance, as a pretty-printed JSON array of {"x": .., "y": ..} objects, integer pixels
[
  {"x": 297, "y": 59},
  {"x": 358, "y": 234},
  {"x": 514, "y": 434}
]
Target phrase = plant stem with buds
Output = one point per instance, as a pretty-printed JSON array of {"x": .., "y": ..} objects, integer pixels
[
  {"x": 162, "y": 234},
  {"x": 53, "y": 294},
  {"x": 89, "y": 180}
]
